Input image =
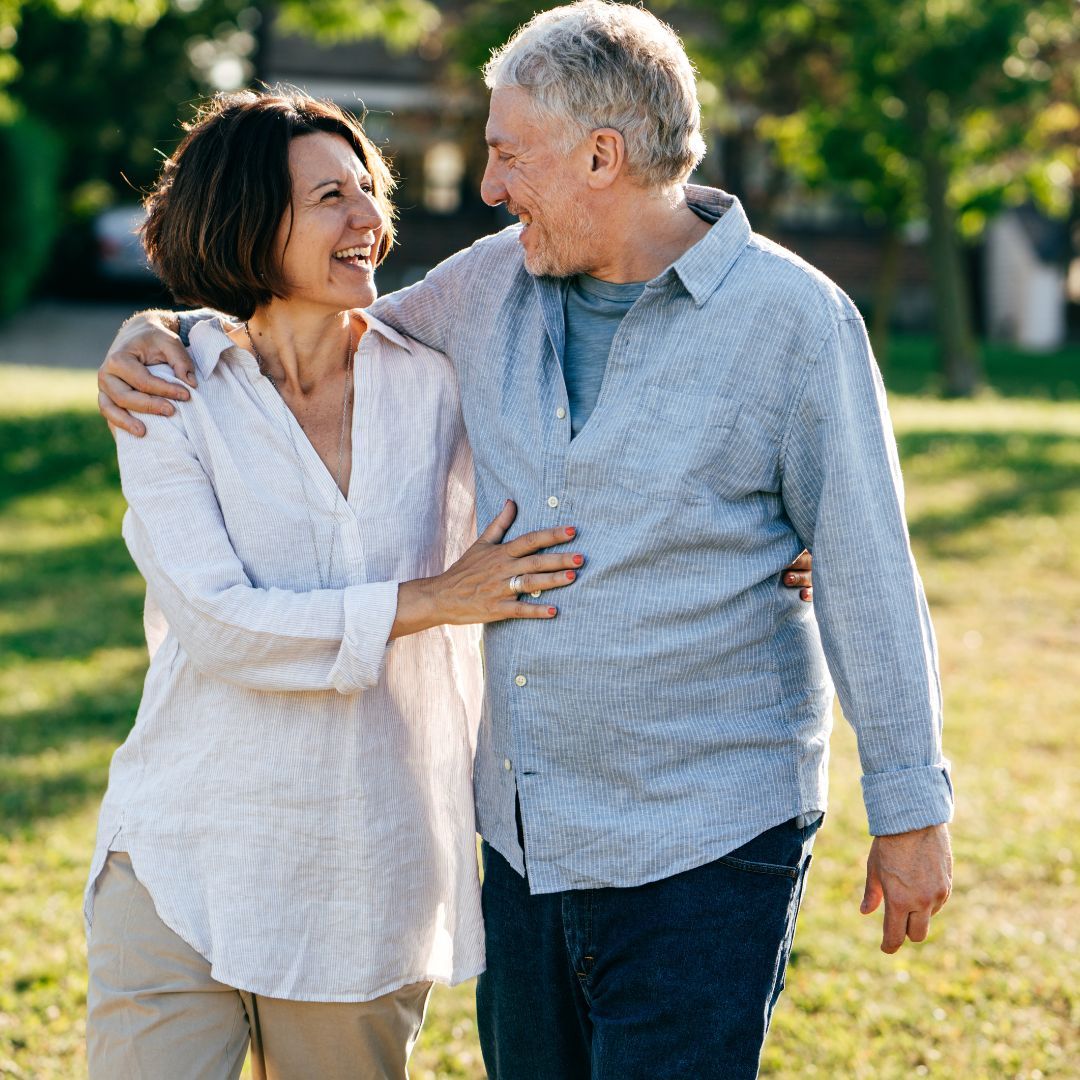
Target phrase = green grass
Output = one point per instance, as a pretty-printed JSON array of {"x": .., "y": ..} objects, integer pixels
[{"x": 995, "y": 509}]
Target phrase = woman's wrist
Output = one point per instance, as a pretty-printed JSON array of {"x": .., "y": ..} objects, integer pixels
[{"x": 417, "y": 608}]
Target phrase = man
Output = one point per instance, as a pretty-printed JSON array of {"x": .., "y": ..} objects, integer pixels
[{"x": 651, "y": 767}]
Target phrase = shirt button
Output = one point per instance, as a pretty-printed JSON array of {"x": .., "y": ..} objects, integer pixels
[
  {"x": 552, "y": 501},
  {"x": 520, "y": 680},
  {"x": 560, "y": 413},
  {"x": 506, "y": 764}
]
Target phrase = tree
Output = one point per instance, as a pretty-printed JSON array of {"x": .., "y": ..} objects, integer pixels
[
  {"x": 108, "y": 80},
  {"x": 941, "y": 110}
]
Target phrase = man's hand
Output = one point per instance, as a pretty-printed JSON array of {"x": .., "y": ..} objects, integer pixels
[
  {"x": 798, "y": 574},
  {"x": 123, "y": 381},
  {"x": 912, "y": 872}
]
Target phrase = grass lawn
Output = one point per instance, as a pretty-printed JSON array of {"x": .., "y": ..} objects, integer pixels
[{"x": 995, "y": 509}]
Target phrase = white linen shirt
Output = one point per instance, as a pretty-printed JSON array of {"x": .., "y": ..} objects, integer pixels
[{"x": 296, "y": 793}]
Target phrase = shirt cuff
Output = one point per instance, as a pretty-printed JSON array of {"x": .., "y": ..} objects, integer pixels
[
  {"x": 909, "y": 799},
  {"x": 370, "y": 611}
]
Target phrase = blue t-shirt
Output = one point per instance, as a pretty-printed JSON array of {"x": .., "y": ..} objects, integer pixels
[{"x": 594, "y": 310}]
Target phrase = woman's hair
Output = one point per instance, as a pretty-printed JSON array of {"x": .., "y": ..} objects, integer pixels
[
  {"x": 594, "y": 65},
  {"x": 215, "y": 210}
]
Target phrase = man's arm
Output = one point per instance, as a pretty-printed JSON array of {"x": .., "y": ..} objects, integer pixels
[
  {"x": 843, "y": 492},
  {"x": 427, "y": 311}
]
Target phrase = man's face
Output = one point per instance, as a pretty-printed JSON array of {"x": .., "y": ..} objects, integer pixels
[{"x": 541, "y": 184}]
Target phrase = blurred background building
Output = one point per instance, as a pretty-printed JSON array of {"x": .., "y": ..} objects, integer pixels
[{"x": 925, "y": 159}]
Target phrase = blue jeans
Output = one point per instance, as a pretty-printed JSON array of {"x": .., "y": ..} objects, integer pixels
[{"x": 676, "y": 978}]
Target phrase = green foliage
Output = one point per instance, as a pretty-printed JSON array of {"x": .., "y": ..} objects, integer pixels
[
  {"x": 993, "y": 506},
  {"x": 401, "y": 23},
  {"x": 30, "y": 208},
  {"x": 112, "y": 79}
]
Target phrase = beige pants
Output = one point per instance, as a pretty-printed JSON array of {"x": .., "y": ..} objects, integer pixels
[{"x": 154, "y": 1012}]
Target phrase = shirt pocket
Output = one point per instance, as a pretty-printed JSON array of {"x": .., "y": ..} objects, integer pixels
[{"x": 678, "y": 438}]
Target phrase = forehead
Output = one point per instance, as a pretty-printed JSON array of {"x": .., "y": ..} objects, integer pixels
[
  {"x": 512, "y": 119},
  {"x": 321, "y": 155}
]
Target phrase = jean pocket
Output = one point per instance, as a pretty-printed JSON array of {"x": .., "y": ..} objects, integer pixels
[{"x": 754, "y": 867}]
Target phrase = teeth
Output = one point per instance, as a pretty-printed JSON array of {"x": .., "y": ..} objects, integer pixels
[{"x": 353, "y": 253}]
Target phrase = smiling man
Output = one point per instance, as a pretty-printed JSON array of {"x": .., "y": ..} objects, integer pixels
[{"x": 651, "y": 767}]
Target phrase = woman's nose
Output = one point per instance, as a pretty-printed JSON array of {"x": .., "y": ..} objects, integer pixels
[{"x": 366, "y": 214}]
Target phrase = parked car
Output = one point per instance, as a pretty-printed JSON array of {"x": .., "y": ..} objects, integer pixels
[{"x": 120, "y": 252}]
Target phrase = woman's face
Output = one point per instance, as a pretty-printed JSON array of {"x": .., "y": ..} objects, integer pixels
[{"x": 327, "y": 250}]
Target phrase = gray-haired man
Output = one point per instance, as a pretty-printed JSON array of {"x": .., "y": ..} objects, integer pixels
[{"x": 651, "y": 767}]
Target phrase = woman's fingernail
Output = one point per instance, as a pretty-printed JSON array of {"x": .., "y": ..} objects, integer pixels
[
  {"x": 791, "y": 579},
  {"x": 570, "y": 575},
  {"x": 578, "y": 560},
  {"x": 553, "y": 611},
  {"x": 571, "y": 531}
]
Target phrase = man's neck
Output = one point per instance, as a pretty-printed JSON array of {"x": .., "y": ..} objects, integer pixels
[{"x": 644, "y": 233}]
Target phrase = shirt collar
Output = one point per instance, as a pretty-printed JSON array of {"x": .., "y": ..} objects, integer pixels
[
  {"x": 210, "y": 341},
  {"x": 706, "y": 264}
]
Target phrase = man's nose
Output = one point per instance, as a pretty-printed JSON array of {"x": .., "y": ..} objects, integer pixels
[{"x": 492, "y": 189}]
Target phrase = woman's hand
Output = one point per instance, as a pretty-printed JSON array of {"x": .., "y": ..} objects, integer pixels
[
  {"x": 478, "y": 589},
  {"x": 123, "y": 381},
  {"x": 798, "y": 574}
]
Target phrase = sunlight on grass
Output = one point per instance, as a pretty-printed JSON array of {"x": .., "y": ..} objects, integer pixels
[{"x": 994, "y": 509}]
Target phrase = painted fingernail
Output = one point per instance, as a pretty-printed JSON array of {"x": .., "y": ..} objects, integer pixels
[
  {"x": 571, "y": 531},
  {"x": 553, "y": 611},
  {"x": 578, "y": 560},
  {"x": 791, "y": 579},
  {"x": 570, "y": 575}
]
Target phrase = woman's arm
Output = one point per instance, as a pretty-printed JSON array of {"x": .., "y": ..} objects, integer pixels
[{"x": 277, "y": 639}]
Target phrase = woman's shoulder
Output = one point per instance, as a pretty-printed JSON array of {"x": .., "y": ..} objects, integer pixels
[{"x": 382, "y": 337}]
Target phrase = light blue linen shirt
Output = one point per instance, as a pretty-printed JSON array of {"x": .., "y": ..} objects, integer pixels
[{"x": 680, "y": 703}]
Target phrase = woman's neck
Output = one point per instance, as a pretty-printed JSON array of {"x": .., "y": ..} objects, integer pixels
[{"x": 301, "y": 349}]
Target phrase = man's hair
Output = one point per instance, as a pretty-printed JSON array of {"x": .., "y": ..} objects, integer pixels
[
  {"x": 596, "y": 64},
  {"x": 214, "y": 212}
]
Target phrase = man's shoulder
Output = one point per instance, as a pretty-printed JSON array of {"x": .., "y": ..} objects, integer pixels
[
  {"x": 499, "y": 249},
  {"x": 797, "y": 284}
]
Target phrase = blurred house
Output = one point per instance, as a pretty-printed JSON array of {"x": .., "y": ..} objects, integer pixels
[{"x": 1026, "y": 257}]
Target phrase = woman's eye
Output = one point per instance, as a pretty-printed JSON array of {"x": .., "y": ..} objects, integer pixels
[{"x": 330, "y": 195}]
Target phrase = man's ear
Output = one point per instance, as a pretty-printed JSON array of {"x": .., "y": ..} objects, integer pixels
[{"x": 608, "y": 158}]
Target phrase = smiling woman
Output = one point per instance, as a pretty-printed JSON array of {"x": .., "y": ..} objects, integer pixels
[{"x": 286, "y": 849}]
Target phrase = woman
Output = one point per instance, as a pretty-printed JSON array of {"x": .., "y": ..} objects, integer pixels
[{"x": 286, "y": 848}]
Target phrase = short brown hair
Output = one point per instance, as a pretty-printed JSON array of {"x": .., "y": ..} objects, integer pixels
[{"x": 215, "y": 209}]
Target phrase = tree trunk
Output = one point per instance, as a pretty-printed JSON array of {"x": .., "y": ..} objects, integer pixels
[
  {"x": 958, "y": 354},
  {"x": 885, "y": 295}
]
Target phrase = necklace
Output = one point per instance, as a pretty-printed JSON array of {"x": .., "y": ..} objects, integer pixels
[{"x": 345, "y": 401}]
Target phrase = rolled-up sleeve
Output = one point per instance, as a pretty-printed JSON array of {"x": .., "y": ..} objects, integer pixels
[
  {"x": 260, "y": 638},
  {"x": 843, "y": 492}
]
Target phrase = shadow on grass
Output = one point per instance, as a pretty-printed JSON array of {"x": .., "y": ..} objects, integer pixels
[
  {"x": 914, "y": 369},
  {"x": 53, "y": 760},
  {"x": 1039, "y": 473},
  {"x": 74, "y": 600},
  {"x": 38, "y": 453}
]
